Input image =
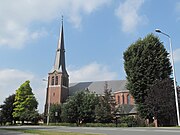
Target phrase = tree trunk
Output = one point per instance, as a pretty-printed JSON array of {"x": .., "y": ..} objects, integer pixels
[{"x": 22, "y": 122}]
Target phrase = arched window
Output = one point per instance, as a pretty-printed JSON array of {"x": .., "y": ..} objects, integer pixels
[
  {"x": 56, "y": 81},
  {"x": 52, "y": 80},
  {"x": 123, "y": 99},
  {"x": 128, "y": 99},
  {"x": 118, "y": 99}
]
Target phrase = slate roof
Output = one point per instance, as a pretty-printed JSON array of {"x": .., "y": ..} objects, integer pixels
[
  {"x": 98, "y": 86},
  {"x": 134, "y": 110},
  {"x": 127, "y": 109}
]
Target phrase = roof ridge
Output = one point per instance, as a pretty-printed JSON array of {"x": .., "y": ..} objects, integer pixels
[{"x": 97, "y": 81}]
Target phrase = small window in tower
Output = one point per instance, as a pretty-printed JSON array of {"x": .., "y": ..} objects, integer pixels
[
  {"x": 52, "y": 80},
  {"x": 53, "y": 94},
  {"x": 56, "y": 82}
]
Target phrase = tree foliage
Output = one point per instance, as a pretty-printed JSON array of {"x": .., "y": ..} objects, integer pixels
[
  {"x": 7, "y": 109},
  {"x": 161, "y": 101},
  {"x": 106, "y": 106},
  {"x": 30, "y": 115},
  {"x": 80, "y": 107},
  {"x": 178, "y": 91},
  {"x": 25, "y": 102},
  {"x": 145, "y": 62},
  {"x": 1, "y": 118},
  {"x": 55, "y": 113}
]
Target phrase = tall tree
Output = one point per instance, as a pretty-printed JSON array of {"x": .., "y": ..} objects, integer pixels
[
  {"x": 178, "y": 91},
  {"x": 161, "y": 101},
  {"x": 25, "y": 102},
  {"x": 7, "y": 109},
  {"x": 145, "y": 62},
  {"x": 1, "y": 118},
  {"x": 106, "y": 107}
]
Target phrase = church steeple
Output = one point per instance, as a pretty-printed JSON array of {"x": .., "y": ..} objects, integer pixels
[
  {"x": 59, "y": 64},
  {"x": 58, "y": 79}
]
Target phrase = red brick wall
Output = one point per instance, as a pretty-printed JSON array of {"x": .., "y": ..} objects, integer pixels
[
  {"x": 56, "y": 93},
  {"x": 122, "y": 98}
]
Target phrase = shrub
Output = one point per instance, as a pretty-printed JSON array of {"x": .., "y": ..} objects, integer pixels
[{"x": 129, "y": 120}]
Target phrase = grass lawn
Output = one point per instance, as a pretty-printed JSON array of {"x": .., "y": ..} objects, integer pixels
[{"x": 39, "y": 132}]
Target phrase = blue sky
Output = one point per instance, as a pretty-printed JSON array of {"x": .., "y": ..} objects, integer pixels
[{"x": 97, "y": 32}]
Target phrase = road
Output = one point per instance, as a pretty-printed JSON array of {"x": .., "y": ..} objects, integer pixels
[
  {"x": 6, "y": 132},
  {"x": 106, "y": 130}
]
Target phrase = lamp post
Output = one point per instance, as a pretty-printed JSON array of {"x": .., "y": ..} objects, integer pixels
[
  {"x": 174, "y": 76},
  {"x": 48, "y": 115}
]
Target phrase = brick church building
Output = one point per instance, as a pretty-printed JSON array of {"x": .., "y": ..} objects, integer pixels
[{"x": 59, "y": 88}]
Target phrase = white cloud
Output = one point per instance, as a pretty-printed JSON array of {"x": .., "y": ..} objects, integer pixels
[
  {"x": 83, "y": 7},
  {"x": 177, "y": 7},
  {"x": 17, "y": 17},
  {"x": 91, "y": 72},
  {"x": 38, "y": 34},
  {"x": 11, "y": 79},
  {"x": 127, "y": 12},
  {"x": 176, "y": 54}
]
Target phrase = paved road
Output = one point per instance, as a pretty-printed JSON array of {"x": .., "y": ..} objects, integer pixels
[
  {"x": 106, "y": 131},
  {"x": 121, "y": 131},
  {"x": 5, "y": 132}
]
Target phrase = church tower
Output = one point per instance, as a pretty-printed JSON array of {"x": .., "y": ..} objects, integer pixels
[{"x": 58, "y": 78}]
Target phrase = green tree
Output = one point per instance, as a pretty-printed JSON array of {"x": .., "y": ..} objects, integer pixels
[
  {"x": 178, "y": 91},
  {"x": 90, "y": 100},
  {"x": 7, "y": 109},
  {"x": 1, "y": 118},
  {"x": 25, "y": 102},
  {"x": 105, "y": 109},
  {"x": 30, "y": 115},
  {"x": 161, "y": 101},
  {"x": 69, "y": 111},
  {"x": 145, "y": 62},
  {"x": 55, "y": 113},
  {"x": 80, "y": 107}
]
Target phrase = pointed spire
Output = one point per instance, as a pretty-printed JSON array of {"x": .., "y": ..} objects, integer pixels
[
  {"x": 62, "y": 20},
  {"x": 59, "y": 64}
]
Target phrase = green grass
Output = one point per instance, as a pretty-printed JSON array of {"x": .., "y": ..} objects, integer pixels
[{"x": 39, "y": 132}]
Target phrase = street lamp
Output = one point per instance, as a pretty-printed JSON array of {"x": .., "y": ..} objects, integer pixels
[
  {"x": 49, "y": 104},
  {"x": 174, "y": 76}
]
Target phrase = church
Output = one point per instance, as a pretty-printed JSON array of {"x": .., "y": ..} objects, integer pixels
[{"x": 59, "y": 88}]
